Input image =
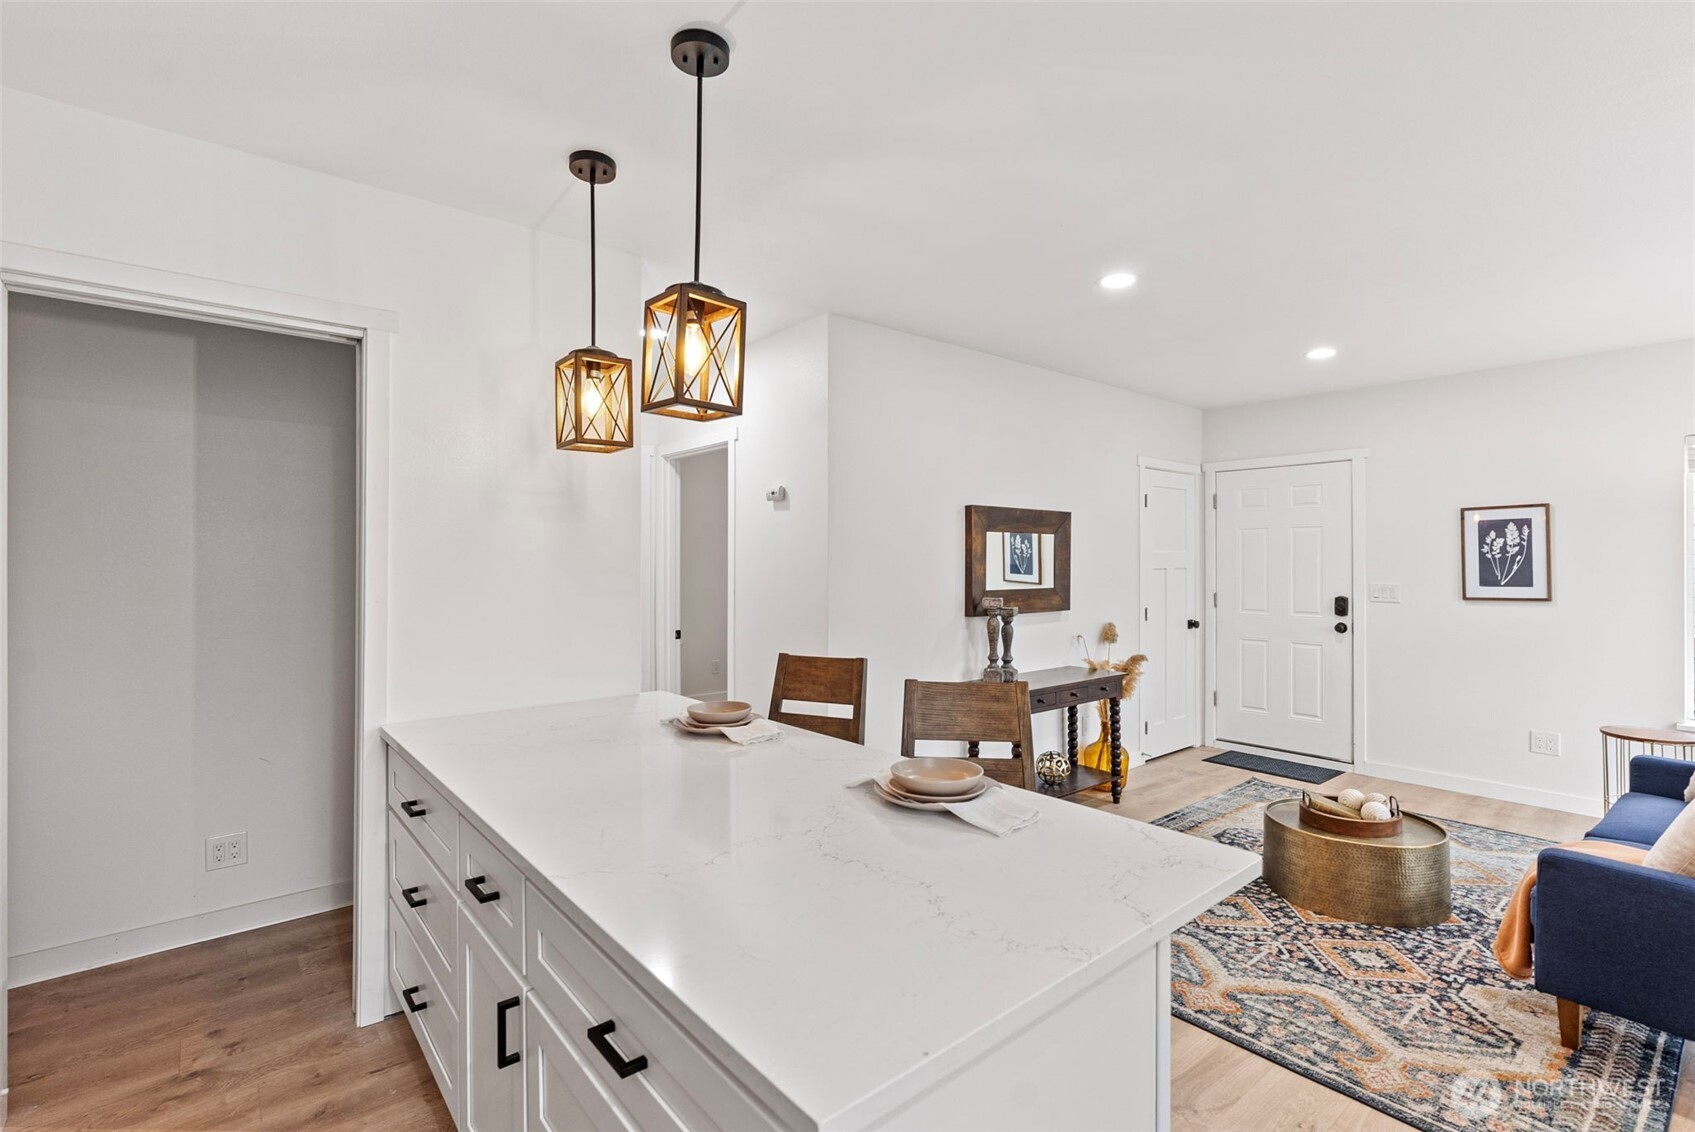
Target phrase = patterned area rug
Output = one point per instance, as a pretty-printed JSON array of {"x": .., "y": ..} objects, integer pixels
[{"x": 1419, "y": 1023}]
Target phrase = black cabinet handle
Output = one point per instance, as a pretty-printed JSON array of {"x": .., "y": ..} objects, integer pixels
[
  {"x": 475, "y": 887},
  {"x": 501, "y": 1058},
  {"x": 413, "y": 900},
  {"x": 412, "y": 809},
  {"x": 624, "y": 1067},
  {"x": 414, "y": 1007},
  {"x": 1193, "y": 624}
]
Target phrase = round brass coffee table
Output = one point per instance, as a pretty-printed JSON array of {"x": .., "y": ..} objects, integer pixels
[{"x": 1400, "y": 882}]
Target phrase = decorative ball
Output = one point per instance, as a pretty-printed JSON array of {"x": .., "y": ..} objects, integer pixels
[
  {"x": 1351, "y": 798},
  {"x": 1375, "y": 811},
  {"x": 1052, "y": 767},
  {"x": 1384, "y": 798}
]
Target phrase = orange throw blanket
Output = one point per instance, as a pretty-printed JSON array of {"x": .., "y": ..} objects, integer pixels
[{"x": 1512, "y": 941}]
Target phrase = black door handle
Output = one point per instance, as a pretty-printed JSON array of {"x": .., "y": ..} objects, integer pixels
[
  {"x": 1341, "y": 626},
  {"x": 501, "y": 1058},
  {"x": 1193, "y": 624},
  {"x": 413, "y": 900},
  {"x": 412, "y": 809},
  {"x": 414, "y": 1007},
  {"x": 624, "y": 1067},
  {"x": 475, "y": 886}
]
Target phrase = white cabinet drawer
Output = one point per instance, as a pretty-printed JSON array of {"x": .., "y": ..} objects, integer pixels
[
  {"x": 564, "y": 1094},
  {"x": 428, "y": 1005},
  {"x": 492, "y": 889},
  {"x": 427, "y": 815},
  {"x": 493, "y": 1099},
  {"x": 426, "y": 900},
  {"x": 680, "y": 1085}
]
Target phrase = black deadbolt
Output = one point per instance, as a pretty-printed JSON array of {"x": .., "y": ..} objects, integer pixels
[{"x": 1341, "y": 607}]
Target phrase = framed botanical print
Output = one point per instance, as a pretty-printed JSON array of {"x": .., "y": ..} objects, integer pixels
[
  {"x": 1506, "y": 553},
  {"x": 1021, "y": 554}
]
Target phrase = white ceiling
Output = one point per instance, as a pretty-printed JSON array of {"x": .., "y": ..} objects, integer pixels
[{"x": 1432, "y": 188}]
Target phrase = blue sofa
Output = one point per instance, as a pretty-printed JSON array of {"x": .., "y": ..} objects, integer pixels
[{"x": 1615, "y": 937}]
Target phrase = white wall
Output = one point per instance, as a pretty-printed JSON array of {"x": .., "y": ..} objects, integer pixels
[
  {"x": 1454, "y": 687},
  {"x": 703, "y": 547},
  {"x": 181, "y": 565},
  {"x": 512, "y": 578},
  {"x": 919, "y": 430}
]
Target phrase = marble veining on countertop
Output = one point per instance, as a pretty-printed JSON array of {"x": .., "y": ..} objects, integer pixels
[{"x": 838, "y": 944}]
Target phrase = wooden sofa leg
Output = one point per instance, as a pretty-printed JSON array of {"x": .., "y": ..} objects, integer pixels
[{"x": 1571, "y": 1023}]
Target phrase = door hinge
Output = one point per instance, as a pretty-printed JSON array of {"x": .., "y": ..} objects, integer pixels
[
  {"x": 1215, "y": 501},
  {"x": 676, "y": 634},
  {"x": 1144, "y": 499},
  {"x": 1215, "y": 697},
  {"x": 1215, "y": 599},
  {"x": 1144, "y": 727},
  {"x": 1144, "y": 613}
]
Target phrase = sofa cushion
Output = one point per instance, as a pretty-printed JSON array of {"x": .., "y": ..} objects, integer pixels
[
  {"x": 1675, "y": 850},
  {"x": 1637, "y": 819}
]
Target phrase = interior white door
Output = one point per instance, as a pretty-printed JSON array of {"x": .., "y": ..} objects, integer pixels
[
  {"x": 1169, "y": 694},
  {"x": 1285, "y": 609}
]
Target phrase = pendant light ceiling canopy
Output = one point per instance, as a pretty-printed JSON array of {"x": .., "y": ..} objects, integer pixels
[
  {"x": 693, "y": 334},
  {"x": 592, "y": 405}
]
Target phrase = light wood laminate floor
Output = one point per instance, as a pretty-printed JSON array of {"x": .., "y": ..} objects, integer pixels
[{"x": 256, "y": 1031}]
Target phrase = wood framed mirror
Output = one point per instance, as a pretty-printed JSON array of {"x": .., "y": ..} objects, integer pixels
[{"x": 1019, "y": 555}]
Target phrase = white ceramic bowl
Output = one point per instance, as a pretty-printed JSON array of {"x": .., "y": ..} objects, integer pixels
[
  {"x": 936, "y": 778},
  {"x": 720, "y": 712}
]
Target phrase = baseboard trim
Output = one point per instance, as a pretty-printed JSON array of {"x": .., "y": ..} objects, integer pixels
[
  {"x": 85, "y": 955},
  {"x": 1500, "y": 791}
]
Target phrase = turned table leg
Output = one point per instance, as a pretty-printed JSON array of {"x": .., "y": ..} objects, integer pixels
[
  {"x": 1112, "y": 718},
  {"x": 1071, "y": 733}
]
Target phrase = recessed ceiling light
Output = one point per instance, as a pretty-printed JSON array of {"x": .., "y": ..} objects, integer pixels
[
  {"x": 1117, "y": 281},
  {"x": 1321, "y": 353}
]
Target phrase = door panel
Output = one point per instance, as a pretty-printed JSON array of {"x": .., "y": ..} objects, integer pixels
[
  {"x": 1170, "y": 532},
  {"x": 1285, "y": 553},
  {"x": 493, "y": 1020}
]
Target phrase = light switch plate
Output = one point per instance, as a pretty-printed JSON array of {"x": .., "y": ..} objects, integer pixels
[{"x": 1386, "y": 591}]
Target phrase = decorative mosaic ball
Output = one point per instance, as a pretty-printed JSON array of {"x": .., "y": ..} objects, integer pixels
[
  {"x": 1351, "y": 798},
  {"x": 1384, "y": 798},
  {"x": 1375, "y": 811},
  {"x": 1052, "y": 767}
]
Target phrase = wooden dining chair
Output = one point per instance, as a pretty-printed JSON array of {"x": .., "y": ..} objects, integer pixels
[
  {"x": 973, "y": 713},
  {"x": 821, "y": 680}
]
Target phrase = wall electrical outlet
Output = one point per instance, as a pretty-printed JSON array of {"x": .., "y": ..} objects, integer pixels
[
  {"x": 717, "y": 667},
  {"x": 1386, "y": 591},
  {"x": 1544, "y": 742},
  {"x": 226, "y": 850}
]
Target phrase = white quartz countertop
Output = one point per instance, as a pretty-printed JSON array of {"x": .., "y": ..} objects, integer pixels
[{"x": 847, "y": 950}]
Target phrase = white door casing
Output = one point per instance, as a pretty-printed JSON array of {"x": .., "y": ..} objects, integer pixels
[
  {"x": 1284, "y": 555},
  {"x": 1170, "y": 690}
]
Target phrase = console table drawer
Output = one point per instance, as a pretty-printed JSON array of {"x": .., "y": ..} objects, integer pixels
[
  {"x": 427, "y": 815},
  {"x": 680, "y": 1086},
  {"x": 423, "y": 897}
]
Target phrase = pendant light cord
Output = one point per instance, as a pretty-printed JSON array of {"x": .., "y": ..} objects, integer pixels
[
  {"x": 593, "y": 274},
  {"x": 699, "y": 100}
]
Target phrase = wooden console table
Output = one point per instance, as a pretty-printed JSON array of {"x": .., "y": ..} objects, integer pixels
[{"x": 1070, "y": 688}]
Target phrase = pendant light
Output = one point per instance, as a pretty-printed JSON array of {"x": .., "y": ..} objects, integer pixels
[
  {"x": 692, "y": 334},
  {"x": 591, "y": 387}
]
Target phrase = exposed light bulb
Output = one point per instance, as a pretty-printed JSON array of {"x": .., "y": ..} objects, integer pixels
[
  {"x": 593, "y": 399},
  {"x": 695, "y": 349}
]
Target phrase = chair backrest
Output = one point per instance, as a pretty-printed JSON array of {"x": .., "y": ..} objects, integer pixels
[
  {"x": 821, "y": 680},
  {"x": 973, "y": 713}
]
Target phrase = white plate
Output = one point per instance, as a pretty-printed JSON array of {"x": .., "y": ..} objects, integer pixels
[
  {"x": 687, "y": 724},
  {"x": 894, "y": 787},
  {"x": 939, "y": 806}
]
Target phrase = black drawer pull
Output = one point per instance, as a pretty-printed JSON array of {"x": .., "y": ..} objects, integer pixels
[
  {"x": 475, "y": 887},
  {"x": 413, "y": 900},
  {"x": 624, "y": 1067},
  {"x": 412, "y": 809},
  {"x": 501, "y": 1058},
  {"x": 414, "y": 1007}
]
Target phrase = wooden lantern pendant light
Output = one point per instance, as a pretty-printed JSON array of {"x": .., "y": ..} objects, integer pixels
[
  {"x": 692, "y": 334},
  {"x": 592, "y": 404}
]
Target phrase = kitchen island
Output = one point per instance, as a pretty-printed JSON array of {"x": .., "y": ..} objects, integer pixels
[{"x": 597, "y": 921}]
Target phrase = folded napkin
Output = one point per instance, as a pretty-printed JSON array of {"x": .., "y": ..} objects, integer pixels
[
  {"x": 996, "y": 809},
  {"x": 755, "y": 730}
]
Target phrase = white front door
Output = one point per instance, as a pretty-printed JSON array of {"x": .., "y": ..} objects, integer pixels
[
  {"x": 1169, "y": 694},
  {"x": 1285, "y": 609}
]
